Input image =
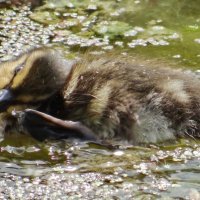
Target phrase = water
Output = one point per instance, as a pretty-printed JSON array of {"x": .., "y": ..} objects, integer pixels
[{"x": 165, "y": 31}]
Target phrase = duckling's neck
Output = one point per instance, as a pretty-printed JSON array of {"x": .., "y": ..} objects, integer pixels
[{"x": 53, "y": 106}]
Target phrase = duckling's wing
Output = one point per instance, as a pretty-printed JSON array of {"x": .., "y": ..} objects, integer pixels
[{"x": 42, "y": 126}]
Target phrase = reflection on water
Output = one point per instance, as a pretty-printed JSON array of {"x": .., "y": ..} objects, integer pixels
[
  {"x": 72, "y": 170},
  {"x": 66, "y": 168}
]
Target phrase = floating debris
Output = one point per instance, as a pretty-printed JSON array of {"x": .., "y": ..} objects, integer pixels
[{"x": 19, "y": 33}]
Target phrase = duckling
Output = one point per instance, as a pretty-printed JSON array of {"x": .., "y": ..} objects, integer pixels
[{"x": 111, "y": 97}]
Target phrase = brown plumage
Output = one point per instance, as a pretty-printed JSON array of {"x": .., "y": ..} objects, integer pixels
[{"x": 113, "y": 96}]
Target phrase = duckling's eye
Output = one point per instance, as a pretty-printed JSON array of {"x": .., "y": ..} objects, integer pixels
[
  {"x": 18, "y": 69},
  {"x": 15, "y": 72}
]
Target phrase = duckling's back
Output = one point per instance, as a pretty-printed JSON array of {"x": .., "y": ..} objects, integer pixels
[{"x": 138, "y": 103}]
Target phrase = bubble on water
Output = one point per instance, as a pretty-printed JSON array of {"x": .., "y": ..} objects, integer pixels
[
  {"x": 197, "y": 40},
  {"x": 118, "y": 153}
]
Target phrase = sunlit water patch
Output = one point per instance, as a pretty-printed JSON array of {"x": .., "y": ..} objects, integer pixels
[{"x": 89, "y": 170}]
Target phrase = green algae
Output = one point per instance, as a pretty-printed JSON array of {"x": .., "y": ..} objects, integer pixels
[{"x": 112, "y": 29}]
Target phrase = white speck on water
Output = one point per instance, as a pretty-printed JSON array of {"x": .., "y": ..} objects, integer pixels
[
  {"x": 177, "y": 56},
  {"x": 197, "y": 40},
  {"x": 118, "y": 153}
]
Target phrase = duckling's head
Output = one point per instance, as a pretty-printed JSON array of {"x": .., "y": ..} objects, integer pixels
[{"x": 32, "y": 77}]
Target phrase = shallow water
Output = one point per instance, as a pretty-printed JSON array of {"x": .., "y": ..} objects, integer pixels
[
  {"x": 75, "y": 170},
  {"x": 163, "y": 30}
]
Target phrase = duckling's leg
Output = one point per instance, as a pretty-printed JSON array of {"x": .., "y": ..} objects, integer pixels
[{"x": 42, "y": 126}]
